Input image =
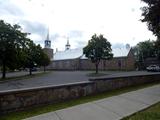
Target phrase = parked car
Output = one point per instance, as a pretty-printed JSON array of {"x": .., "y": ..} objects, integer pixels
[{"x": 154, "y": 68}]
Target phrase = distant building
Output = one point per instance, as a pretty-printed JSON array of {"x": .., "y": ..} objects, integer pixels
[{"x": 74, "y": 59}]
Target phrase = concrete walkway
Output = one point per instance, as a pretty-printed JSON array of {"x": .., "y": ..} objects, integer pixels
[{"x": 112, "y": 108}]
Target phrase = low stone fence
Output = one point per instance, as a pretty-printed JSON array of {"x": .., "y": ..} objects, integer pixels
[
  {"x": 112, "y": 83},
  {"x": 20, "y": 99}
]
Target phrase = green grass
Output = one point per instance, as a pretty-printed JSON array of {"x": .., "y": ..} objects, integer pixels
[
  {"x": 53, "y": 107},
  {"x": 25, "y": 76},
  {"x": 151, "y": 113}
]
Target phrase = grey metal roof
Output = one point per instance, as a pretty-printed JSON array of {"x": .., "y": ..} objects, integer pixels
[
  {"x": 78, "y": 53},
  {"x": 68, "y": 54},
  {"x": 120, "y": 52}
]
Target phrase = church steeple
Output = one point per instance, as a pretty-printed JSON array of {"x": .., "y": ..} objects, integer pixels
[
  {"x": 47, "y": 47},
  {"x": 48, "y": 35},
  {"x": 68, "y": 45},
  {"x": 47, "y": 42}
]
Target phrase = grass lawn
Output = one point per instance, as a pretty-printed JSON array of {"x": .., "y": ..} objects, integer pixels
[
  {"x": 53, "y": 107},
  {"x": 151, "y": 113}
]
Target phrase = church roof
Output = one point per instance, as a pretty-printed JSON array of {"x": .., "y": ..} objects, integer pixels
[
  {"x": 78, "y": 53},
  {"x": 68, "y": 54},
  {"x": 120, "y": 52}
]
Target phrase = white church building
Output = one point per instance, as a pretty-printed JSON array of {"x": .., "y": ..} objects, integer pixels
[{"x": 74, "y": 59}]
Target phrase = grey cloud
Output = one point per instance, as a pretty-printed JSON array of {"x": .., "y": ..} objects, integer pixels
[
  {"x": 80, "y": 43},
  {"x": 34, "y": 27},
  {"x": 7, "y": 8},
  {"x": 41, "y": 42},
  {"x": 55, "y": 36},
  {"x": 118, "y": 45},
  {"x": 75, "y": 33}
]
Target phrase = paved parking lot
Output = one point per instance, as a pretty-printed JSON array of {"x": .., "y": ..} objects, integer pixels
[
  {"x": 59, "y": 77},
  {"x": 51, "y": 78}
]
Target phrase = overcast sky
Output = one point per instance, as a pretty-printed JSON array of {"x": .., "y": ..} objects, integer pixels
[{"x": 118, "y": 20}]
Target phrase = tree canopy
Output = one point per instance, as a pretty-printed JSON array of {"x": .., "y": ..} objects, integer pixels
[
  {"x": 36, "y": 57},
  {"x": 18, "y": 51},
  {"x": 151, "y": 15},
  {"x": 11, "y": 41},
  {"x": 143, "y": 52},
  {"x": 98, "y": 48},
  {"x": 145, "y": 49},
  {"x": 44, "y": 61}
]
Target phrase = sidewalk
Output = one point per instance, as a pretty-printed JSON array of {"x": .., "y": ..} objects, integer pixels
[{"x": 112, "y": 108}]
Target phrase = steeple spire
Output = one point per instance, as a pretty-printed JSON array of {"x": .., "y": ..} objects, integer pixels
[
  {"x": 47, "y": 42},
  {"x": 67, "y": 41},
  {"x": 68, "y": 45},
  {"x": 48, "y": 35}
]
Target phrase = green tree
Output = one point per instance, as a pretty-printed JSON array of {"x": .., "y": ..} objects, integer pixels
[
  {"x": 17, "y": 51},
  {"x": 32, "y": 56},
  {"x": 151, "y": 15},
  {"x": 35, "y": 57},
  {"x": 98, "y": 48},
  {"x": 45, "y": 60},
  {"x": 157, "y": 48},
  {"x": 12, "y": 40},
  {"x": 144, "y": 50}
]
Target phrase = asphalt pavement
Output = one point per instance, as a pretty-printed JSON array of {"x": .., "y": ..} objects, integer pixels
[{"x": 58, "y": 78}]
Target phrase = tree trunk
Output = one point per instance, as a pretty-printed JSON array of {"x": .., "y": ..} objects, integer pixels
[
  {"x": 30, "y": 71},
  {"x": 4, "y": 70},
  {"x": 97, "y": 67},
  {"x": 44, "y": 68}
]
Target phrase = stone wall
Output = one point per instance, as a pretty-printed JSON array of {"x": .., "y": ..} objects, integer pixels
[
  {"x": 107, "y": 84},
  {"x": 117, "y": 63},
  {"x": 114, "y": 64},
  {"x": 49, "y": 52},
  {"x": 130, "y": 61},
  {"x": 120, "y": 63},
  {"x": 86, "y": 64},
  {"x": 20, "y": 99},
  {"x": 70, "y": 64}
]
